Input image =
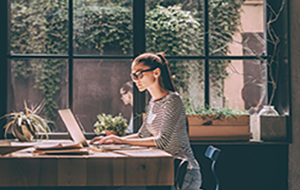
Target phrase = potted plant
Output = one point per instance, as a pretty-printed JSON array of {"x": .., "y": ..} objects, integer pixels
[
  {"x": 207, "y": 123},
  {"x": 111, "y": 125},
  {"x": 26, "y": 125}
]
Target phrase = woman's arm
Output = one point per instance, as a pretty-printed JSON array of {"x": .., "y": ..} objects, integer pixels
[
  {"x": 131, "y": 136},
  {"x": 130, "y": 139},
  {"x": 148, "y": 141},
  {"x": 98, "y": 138}
]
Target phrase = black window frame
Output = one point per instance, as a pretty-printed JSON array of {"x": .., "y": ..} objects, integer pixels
[{"x": 139, "y": 42}]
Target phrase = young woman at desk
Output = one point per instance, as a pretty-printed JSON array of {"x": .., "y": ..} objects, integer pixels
[{"x": 165, "y": 123}]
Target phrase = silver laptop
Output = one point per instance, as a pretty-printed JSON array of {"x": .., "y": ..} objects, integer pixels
[
  {"x": 73, "y": 126},
  {"x": 78, "y": 136}
]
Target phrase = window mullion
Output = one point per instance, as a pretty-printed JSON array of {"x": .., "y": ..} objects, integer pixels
[
  {"x": 70, "y": 54},
  {"x": 206, "y": 52},
  {"x": 4, "y": 51},
  {"x": 139, "y": 42}
]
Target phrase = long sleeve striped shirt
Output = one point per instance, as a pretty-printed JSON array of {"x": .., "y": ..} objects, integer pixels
[{"x": 166, "y": 121}]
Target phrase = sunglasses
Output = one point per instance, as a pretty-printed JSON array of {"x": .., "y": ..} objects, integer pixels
[{"x": 139, "y": 74}]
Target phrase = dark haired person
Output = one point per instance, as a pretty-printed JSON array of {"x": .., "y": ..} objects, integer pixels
[
  {"x": 127, "y": 98},
  {"x": 165, "y": 124}
]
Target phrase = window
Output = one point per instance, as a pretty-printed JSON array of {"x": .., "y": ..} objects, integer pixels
[
  {"x": 71, "y": 54},
  {"x": 78, "y": 53}
]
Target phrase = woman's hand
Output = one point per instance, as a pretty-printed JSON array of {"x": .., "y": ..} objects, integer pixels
[
  {"x": 130, "y": 139},
  {"x": 111, "y": 139}
]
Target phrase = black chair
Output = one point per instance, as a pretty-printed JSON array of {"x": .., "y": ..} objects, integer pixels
[
  {"x": 212, "y": 153},
  {"x": 180, "y": 167}
]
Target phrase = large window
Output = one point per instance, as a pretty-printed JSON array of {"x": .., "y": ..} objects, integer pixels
[{"x": 77, "y": 54}]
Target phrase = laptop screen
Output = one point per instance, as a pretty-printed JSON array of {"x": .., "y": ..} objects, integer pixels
[{"x": 73, "y": 126}]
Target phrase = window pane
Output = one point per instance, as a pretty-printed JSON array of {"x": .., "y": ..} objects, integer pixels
[
  {"x": 97, "y": 84},
  {"x": 174, "y": 27},
  {"x": 36, "y": 81},
  {"x": 102, "y": 27},
  {"x": 237, "y": 27},
  {"x": 189, "y": 81},
  {"x": 39, "y": 27},
  {"x": 243, "y": 85}
]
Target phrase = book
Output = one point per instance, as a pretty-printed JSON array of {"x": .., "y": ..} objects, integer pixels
[{"x": 61, "y": 149}]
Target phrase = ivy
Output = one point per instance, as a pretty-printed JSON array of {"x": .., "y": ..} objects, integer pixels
[
  {"x": 40, "y": 28},
  {"x": 174, "y": 27},
  {"x": 176, "y": 31},
  {"x": 104, "y": 27}
]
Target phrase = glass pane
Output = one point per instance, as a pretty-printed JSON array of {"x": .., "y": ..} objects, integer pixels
[
  {"x": 174, "y": 27},
  {"x": 242, "y": 86},
  {"x": 237, "y": 27},
  {"x": 278, "y": 55},
  {"x": 39, "y": 27},
  {"x": 97, "y": 89},
  {"x": 39, "y": 80},
  {"x": 103, "y": 27},
  {"x": 189, "y": 81}
]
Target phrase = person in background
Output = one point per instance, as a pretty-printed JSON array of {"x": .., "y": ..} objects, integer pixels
[
  {"x": 165, "y": 125},
  {"x": 127, "y": 98}
]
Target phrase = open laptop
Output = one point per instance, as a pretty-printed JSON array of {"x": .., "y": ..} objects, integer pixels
[
  {"x": 78, "y": 136},
  {"x": 73, "y": 127}
]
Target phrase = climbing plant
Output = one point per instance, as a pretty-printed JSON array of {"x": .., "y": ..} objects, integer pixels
[
  {"x": 175, "y": 27},
  {"x": 177, "y": 31},
  {"x": 102, "y": 28}
]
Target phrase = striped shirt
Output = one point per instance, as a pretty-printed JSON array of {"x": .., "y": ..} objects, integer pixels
[{"x": 166, "y": 121}]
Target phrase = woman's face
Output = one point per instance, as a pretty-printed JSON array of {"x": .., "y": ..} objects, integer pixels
[
  {"x": 126, "y": 97},
  {"x": 142, "y": 76}
]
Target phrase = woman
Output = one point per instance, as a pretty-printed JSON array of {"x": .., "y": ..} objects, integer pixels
[
  {"x": 127, "y": 98},
  {"x": 165, "y": 123}
]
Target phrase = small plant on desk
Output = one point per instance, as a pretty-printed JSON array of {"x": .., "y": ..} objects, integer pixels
[{"x": 115, "y": 125}]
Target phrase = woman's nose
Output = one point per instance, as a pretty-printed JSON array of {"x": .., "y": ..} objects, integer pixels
[{"x": 134, "y": 79}]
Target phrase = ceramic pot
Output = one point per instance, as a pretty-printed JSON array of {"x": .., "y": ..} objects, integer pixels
[
  {"x": 110, "y": 132},
  {"x": 23, "y": 136}
]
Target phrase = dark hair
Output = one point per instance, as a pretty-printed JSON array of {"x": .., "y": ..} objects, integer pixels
[
  {"x": 154, "y": 60},
  {"x": 127, "y": 87}
]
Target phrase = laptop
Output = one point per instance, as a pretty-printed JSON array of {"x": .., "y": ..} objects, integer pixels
[
  {"x": 73, "y": 127},
  {"x": 78, "y": 136}
]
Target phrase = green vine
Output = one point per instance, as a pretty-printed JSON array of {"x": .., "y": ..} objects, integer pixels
[
  {"x": 104, "y": 27},
  {"x": 41, "y": 27},
  {"x": 179, "y": 32}
]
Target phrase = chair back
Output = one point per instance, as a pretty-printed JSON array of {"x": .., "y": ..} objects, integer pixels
[
  {"x": 180, "y": 167},
  {"x": 213, "y": 153}
]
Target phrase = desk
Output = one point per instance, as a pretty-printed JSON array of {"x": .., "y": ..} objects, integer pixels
[
  {"x": 8, "y": 146},
  {"x": 143, "y": 167}
]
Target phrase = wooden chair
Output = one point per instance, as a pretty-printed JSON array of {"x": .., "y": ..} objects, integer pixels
[{"x": 212, "y": 153}]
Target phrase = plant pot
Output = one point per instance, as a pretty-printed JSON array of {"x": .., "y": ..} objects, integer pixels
[
  {"x": 208, "y": 129},
  {"x": 24, "y": 135},
  {"x": 110, "y": 132},
  {"x": 269, "y": 128}
]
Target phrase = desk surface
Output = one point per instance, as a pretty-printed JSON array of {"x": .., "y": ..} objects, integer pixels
[{"x": 142, "y": 167}]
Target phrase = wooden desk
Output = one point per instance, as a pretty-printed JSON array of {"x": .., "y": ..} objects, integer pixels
[
  {"x": 143, "y": 167},
  {"x": 10, "y": 145}
]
